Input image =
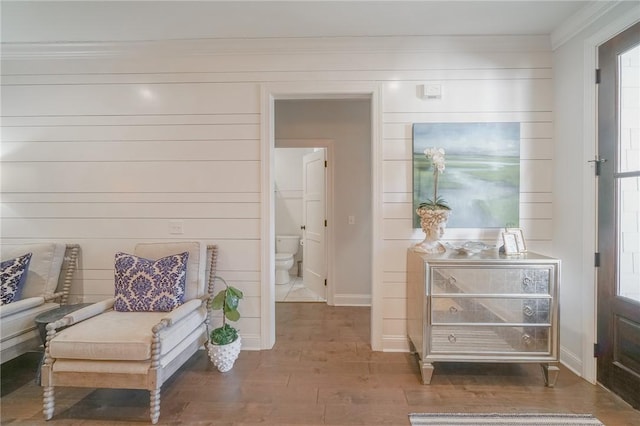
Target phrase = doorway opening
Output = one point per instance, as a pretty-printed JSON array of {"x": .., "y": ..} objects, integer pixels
[
  {"x": 344, "y": 125},
  {"x": 335, "y": 235}
]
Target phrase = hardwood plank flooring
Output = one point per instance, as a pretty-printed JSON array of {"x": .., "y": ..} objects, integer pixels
[{"x": 320, "y": 372}]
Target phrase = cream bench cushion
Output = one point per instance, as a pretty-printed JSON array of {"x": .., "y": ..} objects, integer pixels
[
  {"x": 16, "y": 323},
  {"x": 111, "y": 336}
]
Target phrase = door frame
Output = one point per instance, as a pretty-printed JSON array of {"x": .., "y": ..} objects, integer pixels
[
  {"x": 328, "y": 145},
  {"x": 269, "y": 93},
  {"x": 590, "y": 188}
]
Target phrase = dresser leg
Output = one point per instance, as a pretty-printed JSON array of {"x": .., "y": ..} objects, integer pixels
[
  {"x": 426, "y": 369},
  {"x": 550, "y": 371}
]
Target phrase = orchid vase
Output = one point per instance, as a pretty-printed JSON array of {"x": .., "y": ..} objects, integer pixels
[{"x": 433, "y": 223}]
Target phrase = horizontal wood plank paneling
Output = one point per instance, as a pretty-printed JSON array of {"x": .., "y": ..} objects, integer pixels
[
  {"x": 138, "y": 150},
  {"x": 125, "y": 99},
  {"x": 395, "y": 289},
  {"x": 470, "y": 95},
  {"x": 167, "y": 210},
  {"x": 395, "y": 327},
  {"x": 395, "y": 308},
  {"x": 126, "y": 132},
  {"x": 129, "y": 120},
  {"x": 138, "y": 176},
  {"x": 132, "y": 197},
  {"x": 140, "y": 228},
  {"x": 105, "y": 151}
]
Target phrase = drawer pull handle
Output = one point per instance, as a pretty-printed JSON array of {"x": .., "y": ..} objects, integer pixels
[
  {"x": 526, "y": 281},
  {"x": 527, "y": 340},
  {"x": 452, "y": 280},
  {"x": 528, "y": 311},
  {"x": 453, "y": 310},
  {"x": 452, "y": 338}
]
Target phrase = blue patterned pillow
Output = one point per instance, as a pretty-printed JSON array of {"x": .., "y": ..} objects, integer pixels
[
  {"x": 144, "y": 285},
  {"x": 13, "y": 274}
]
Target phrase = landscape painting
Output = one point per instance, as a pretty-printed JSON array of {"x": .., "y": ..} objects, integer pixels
[{"x": 481, "y": 180}]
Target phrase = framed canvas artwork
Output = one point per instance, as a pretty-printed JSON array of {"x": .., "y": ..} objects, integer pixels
[{"x": 481, "y": 180}]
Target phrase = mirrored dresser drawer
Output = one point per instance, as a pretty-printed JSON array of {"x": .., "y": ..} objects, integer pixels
[
  {"x": 490, "y": 340},
  {"x": 483, "y": 308},
  {"x": 488, "y": 310}
]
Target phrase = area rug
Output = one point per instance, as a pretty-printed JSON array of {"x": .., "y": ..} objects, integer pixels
[{"x": 502, "y": 419}]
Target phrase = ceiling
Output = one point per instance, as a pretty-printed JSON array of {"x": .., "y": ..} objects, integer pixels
[{"x": 103, "y": 21}]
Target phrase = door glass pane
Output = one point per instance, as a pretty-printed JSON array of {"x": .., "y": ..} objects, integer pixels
[
  {"x": 629, "y": 96},
  {"x": 629, "y": 186},
  {"x": 629, "y": 238}
]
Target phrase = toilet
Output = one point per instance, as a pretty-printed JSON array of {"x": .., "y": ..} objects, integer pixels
[{"x": 286, "y": 248}]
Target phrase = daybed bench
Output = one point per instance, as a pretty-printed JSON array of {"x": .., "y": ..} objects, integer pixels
[{"x": 45, "y": 286}]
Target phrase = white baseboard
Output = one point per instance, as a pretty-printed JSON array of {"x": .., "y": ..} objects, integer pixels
[
  {"x": 251, "y": 342},
  {"x": 352, "y": 300},
  {"x": 395, "y": 344},
  {"x": 571, "y": 361}
]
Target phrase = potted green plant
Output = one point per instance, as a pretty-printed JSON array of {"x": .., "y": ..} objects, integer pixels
[{"x": 224, "y": 342}]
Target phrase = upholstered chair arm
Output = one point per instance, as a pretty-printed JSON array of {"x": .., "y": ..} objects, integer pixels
[
  {"x": 181, "y": 311},
  {"x": 69, "y": 267},
  {"x": 205, "y": 302},
  {"x": 89, "y": 311},
  {"x": 71, "y": 257},
  {"x": 20, "y": 305}
]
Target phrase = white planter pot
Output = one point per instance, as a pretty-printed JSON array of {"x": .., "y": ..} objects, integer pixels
[{"x": 224, "y": 356}]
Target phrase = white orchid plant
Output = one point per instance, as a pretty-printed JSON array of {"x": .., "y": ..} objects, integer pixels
[{"x": 436, "y": 155}]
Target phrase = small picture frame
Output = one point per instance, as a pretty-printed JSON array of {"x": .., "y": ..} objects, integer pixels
[
  {"x": 522, "y": 245},
  {"x": 510, "y": 243}
]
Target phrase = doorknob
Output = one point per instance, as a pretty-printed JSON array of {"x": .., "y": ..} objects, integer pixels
[
  {"x": 303, "y": 227},
  {"x": 598, "y": 162}
]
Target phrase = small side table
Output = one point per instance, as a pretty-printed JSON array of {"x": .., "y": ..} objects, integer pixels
[{"x": 52, "y": 316}]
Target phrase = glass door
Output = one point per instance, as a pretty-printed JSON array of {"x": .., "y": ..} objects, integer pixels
[{"x": 618, "y": 164}]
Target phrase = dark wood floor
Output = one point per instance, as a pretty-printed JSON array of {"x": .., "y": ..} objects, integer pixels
[{"x": 320, "y": 372}]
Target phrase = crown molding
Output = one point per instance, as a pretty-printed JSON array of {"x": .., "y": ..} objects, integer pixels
[
  {"x": 262, "y": 46},
  {"x": 580, "y": 20}
]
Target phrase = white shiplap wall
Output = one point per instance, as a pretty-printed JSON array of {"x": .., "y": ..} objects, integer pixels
[{"x": 103, "y": 145}]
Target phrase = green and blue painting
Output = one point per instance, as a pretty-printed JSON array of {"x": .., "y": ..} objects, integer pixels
[{"x": 481, "y": 180}]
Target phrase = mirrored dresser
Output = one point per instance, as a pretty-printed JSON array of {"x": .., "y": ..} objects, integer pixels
[{"x": 486, "y": 307}]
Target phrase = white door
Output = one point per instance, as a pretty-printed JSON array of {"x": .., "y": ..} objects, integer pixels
[{"x": 314, "y": 222}]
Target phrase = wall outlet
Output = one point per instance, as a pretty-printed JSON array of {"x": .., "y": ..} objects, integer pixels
[{"x": 176, "y": 227}]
